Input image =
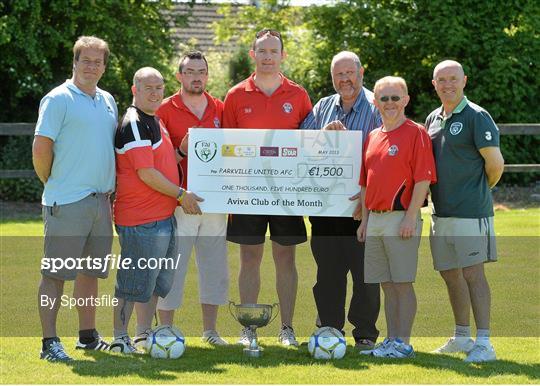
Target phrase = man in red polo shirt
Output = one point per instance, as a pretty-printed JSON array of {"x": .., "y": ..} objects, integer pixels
[
  {"x": 267, "y": 100},
  {"x": 192, "y": 106},
  {"x": 397, "y": 169}
]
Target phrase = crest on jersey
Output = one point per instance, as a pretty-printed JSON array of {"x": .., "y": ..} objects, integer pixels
[
  {"x": 287, "y": 107},
  {"x": 455, "y": 128},
  {"x": 205, "y": 150},
  {"x": 392, "y": 150},
  {"x": 217, "y": 123}
]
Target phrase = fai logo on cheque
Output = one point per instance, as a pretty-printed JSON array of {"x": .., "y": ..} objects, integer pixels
[{"x": 205, "y": 150}]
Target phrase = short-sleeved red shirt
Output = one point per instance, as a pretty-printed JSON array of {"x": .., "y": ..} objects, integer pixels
[
  {"x": 141, "y": 141},
  {"x": 178, "y": 118},
  {"x": 393, "y": 162},
  {"x": 248, "y": 107}
]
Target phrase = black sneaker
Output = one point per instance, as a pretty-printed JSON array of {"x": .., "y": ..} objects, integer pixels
[
  {"x": 98, "y": 344},
  {"x": 55, "y": 353}
]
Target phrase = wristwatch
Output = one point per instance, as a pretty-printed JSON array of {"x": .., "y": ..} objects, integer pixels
[{"x": 181, "y": 153}]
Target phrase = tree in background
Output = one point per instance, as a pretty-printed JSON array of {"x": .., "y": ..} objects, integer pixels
[
  {"x": 497, "y": 41},
  {"x": 240, "y": 25},
  {"x": 36, "y": 40}
]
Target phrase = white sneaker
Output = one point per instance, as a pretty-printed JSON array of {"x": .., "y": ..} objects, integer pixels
[
  {"x": 123, "y": 345},
  {"x": 456, "y": 345},
  {"x": 380, "y": 349},
  {"x": 398, "y": 349},
  {"x": 286, "y": 337},
  {"x": 481, "y": 353},
  {"x": 246, "y": 336},
  {"x": 140, "y": 340},
  {"x": 212, "y": 337}
]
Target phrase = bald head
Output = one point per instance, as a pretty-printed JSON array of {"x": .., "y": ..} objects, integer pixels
[
  {"x": 348, "y": 55},
  {"x": 448, "y": 64},
  {"x": 449, "y": 81},
  {"x": 145, "y": 73},
  {"x": 147, "y": 89}
]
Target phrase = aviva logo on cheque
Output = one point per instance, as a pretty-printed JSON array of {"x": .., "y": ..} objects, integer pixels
[
  {"x": 205, "y": 150},
  {"x": 238, "y": 150}
]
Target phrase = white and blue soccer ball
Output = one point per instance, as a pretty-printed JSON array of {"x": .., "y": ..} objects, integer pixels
[
  {"x": 327, "y": 343},
  {"x": 166, "y": 342}
]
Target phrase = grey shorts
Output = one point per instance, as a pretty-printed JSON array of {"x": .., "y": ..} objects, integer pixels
[
  {"x": 461, "y": 242},
  {"x": 388, "y": 257},
  {"x": 78, "y": 238}
]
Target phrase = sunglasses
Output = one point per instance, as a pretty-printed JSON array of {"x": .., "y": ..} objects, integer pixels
[
  {"x": 386, "y": 98},
  {"x": 271, "y": 32}
]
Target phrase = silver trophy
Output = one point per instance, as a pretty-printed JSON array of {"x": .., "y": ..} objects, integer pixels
[{"x": 253, "y": 316}]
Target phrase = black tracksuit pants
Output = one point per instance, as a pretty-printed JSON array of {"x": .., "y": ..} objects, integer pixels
[{"x": 337, "y": 251}]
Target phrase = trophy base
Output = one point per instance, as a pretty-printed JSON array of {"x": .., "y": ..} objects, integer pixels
[{"x": 253, "y": 353}]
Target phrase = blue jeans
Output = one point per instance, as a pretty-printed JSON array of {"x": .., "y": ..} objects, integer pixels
[{"x": 151, "y": 251}]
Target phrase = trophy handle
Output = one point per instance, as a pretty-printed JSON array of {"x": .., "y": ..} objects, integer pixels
[
  {"x": 231, "y": 303},
  {"x": 275, "y": 305}
]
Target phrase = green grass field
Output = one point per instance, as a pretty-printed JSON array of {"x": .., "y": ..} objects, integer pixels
[{"x": 515, "y": 283}]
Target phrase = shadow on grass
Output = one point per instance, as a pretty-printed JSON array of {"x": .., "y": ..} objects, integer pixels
[
  {"x": 456, "y": 364},
  {"x": 483, "y": 370},
  {"x": 210, "y": 360}
]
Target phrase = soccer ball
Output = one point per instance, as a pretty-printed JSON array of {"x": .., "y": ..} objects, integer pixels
[
  {"x": 166, "y": 342},
  {"x": 327, "y": 343}
]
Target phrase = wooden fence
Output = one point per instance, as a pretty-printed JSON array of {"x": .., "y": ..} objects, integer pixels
[{"x": 506, "y": 129}]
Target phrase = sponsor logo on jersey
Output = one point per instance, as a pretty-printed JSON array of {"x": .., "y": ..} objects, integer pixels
[
  {"x": 455, "y": 128},
  {"x": 269, "y": 151},
  {"x": 289, "y": 152},
  {"x": 392, "y": 150},
  {"x": 205, "y": 150},
  {"x": 238, "y": 150},
  {"x": 287, "y": 107}
]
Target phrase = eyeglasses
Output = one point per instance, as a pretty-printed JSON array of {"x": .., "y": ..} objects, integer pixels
[
  {"x": 346, "y": 74},
  {"x": 87, "y": 62},
  {"x": 193, "y": 73},
  {"x": 271, "y": 32},
  {"x": 386, "y": 98}
]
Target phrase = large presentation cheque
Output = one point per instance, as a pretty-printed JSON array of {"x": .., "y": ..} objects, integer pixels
[{"x": 278, "y": 172}]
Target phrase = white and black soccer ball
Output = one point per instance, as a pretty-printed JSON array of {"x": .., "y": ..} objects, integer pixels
[
  {"x": 166, "y": 342},
  {"x": 327, "y": 343}
]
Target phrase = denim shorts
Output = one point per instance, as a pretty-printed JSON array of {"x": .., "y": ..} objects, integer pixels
[{"x": 152, "y": 253}]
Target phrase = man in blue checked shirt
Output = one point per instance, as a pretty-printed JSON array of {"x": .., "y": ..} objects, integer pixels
[{"x": 333, "y": 243}]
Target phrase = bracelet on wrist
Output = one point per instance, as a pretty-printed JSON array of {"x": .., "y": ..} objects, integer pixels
[{"x": 181, "y": 195}]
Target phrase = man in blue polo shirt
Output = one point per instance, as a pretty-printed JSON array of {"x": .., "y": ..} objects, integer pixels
[
  {"x": 73, "y": 155},
  {"x": 333, "y": 243},
  {"x": 469, "y": 163}
]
